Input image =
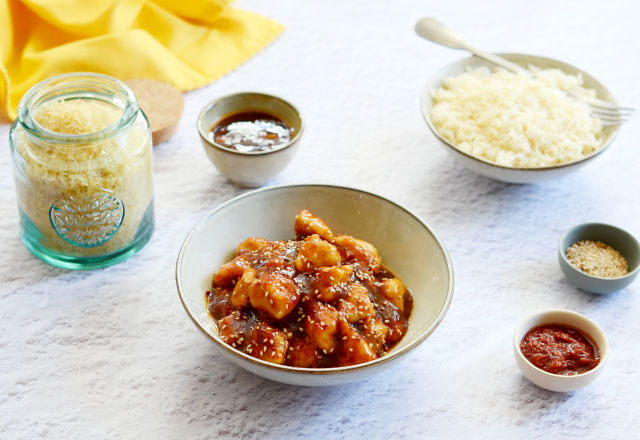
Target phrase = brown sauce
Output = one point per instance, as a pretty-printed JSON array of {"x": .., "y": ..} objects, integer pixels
[{"x": 251, "y": 131}]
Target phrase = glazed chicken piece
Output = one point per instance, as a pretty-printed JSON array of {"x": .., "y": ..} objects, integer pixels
[
  {"x": 375, "y": 333},
  {"x": 320, "y": 325},
  {"x": 230, "y": 272},
  {"x": 252, "y": 244},
  {"x": 354, "y": 250},
  {"x": 280, "y": 265},
  {"x": 235, "y": 329},
  {"x": 391, "y": 317},
  {"x": 356, "y": 304},
  {"x": 218, "y": 302},
  {"x": 354, "y": 349},
  {"x": 393, "y": 290},
  {"x": 274, "y": 294},
  {"x": 309, "y": 224},
  {"x": 240, "y": 295},
  {"x": 315, "y": 253},
  {"x": 302, "y": 354},
  {"x": 330, "y": 281},
  {"x": 268, "y": 344}
]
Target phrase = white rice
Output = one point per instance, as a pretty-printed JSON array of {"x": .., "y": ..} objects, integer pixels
[{"x": 515, "y": 120}]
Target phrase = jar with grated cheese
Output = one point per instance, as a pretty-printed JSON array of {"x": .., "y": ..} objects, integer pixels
[{"x": 82, "y": 161}]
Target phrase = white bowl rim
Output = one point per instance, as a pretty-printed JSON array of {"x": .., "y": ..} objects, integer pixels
[
  {"x": 296, "y": 137},
  {"x": 566, "y": 260},
  {"x": 604, "y": 354},
  {"x": 318, "y": 371},
  {"x": 426, "y": 94}
]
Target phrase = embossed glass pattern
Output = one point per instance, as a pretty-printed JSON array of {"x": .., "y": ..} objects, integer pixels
[{"x": 85, "y": 200}]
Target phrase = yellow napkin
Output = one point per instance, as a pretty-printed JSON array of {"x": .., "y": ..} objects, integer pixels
[{"x": 187, "y": 43}]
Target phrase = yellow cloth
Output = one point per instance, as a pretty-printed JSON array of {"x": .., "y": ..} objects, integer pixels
[{"x": 187, "y": 43}]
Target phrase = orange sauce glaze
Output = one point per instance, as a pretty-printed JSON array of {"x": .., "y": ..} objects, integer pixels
[{"x": 332, "y": 317}]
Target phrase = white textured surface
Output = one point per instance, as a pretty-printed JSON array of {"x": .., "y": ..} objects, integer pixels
[{"x": 111, "y": 353}]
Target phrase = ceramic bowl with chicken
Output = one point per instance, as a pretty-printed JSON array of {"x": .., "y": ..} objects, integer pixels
[{"x": 314, "y": 284}]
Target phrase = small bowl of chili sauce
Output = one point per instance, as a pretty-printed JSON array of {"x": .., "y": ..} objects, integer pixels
[
  {"x": 250, "y": 137},
  {"x": 560, "y": 350}
]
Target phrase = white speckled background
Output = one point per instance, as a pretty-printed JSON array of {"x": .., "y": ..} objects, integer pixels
[{"x": 111, "y": 353}]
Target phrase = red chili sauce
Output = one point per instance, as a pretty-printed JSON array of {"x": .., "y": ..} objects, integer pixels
[{"x": 559, "y": 350}]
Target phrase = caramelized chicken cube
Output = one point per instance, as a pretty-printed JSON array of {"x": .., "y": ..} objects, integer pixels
[
  {"x": 280, "y": 265},
  {"x": 274, "y": 294},
  {"x": 252, "y": 244},
  {"x": 301, "y": 354},
  {"x": 352, "y": 249},
  {"x": 330, "y": 281},
  {"x": 353, "y": 348},
  {"x": 320, "y": 325},
  {"x": 375, "y": 333},
  {"x": 268, "y": 344},
  {"x": 396, "y": 330},
  {"x": 240, "y": 295},
  {"x": 230, "y": 272},
  {"x": 315, "y": 253},
  {"x": 309, "y": 224},
  {"x": 272, "y": 250},
  {"x": 218, "y": 303},
  {"x": 235, "y": 329},
  {"x": 393, "y": 290},
  {"x": 356, "y": 304},
  {"x": 390, "y": 316}
]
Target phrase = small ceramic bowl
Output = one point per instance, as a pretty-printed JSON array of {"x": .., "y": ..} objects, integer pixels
[
  {"x": 617, "y": 238},
  {"x": 500, "y": 172},
  {"x": 555, "y": 382},
  {"x": 406, "y": 243},
  {"x": 250, "y": 169}
]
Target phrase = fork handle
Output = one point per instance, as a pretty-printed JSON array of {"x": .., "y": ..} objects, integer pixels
[{"x": 433, "y": 30}]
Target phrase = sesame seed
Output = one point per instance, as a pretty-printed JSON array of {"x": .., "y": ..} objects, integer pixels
[
  {"x": 224, "y": 326},
  {"x": 386, "y": 321},
  {"x": 289, "y": 357},
  {"x": 344, "y": 338},
  {"x": 273, "y": 353},
  {"x": 351, "y": 349}
]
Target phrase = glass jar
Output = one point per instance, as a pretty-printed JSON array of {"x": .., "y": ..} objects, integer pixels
[{"x": 85, "y": 200}]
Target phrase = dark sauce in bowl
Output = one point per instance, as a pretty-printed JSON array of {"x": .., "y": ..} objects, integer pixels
[
  {"x": 251, "y": 131},
  {"x": 561, "y": 350}
]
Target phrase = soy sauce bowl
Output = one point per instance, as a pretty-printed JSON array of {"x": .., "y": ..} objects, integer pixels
[
  {"x": 250, "y": 169},
  {"x": 555, "y": 382},
  {"x": 615, "y": 237}
]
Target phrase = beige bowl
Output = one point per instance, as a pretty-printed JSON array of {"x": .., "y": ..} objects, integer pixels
[
  {"x": 406, "y": 243},
  {"x": 255, "y": 168},
  {"x": 500, "y": 172},
  {"x": 555, "y": 382}
]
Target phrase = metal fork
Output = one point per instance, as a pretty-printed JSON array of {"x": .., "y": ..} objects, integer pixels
[{"x": 431, "y": 29}]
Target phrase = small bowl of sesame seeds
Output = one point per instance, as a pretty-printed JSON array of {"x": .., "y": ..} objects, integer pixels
[{"x": 599, "y": 258}]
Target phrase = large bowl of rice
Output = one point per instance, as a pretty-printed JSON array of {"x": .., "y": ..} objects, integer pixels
[{"x": 513, "y": 128}]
